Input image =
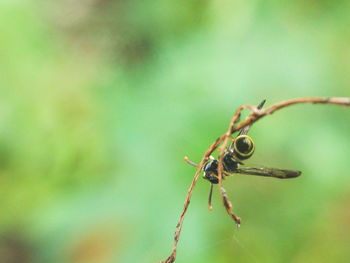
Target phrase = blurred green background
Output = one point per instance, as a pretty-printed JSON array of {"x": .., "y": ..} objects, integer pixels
[{"x": 100, "y": 101}]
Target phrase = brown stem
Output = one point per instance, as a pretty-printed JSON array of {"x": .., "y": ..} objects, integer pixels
[
  {"x": 254, "y": 116},
  {"x": 211, "y": 148}
]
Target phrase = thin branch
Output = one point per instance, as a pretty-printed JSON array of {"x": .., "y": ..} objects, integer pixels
[
  {"x": 227, "y": 135},
  {"x": 205, "y": 158},
  {"x": 255, "y": 115}
]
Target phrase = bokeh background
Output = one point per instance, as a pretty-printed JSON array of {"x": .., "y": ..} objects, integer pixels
[{"x": 100, "y": 100}]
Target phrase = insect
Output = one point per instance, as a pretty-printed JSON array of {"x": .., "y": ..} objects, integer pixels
[{"x": 241, "y": 148}]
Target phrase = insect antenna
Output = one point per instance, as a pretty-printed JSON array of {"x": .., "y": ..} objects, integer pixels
[{"x": 190, "y": 162}]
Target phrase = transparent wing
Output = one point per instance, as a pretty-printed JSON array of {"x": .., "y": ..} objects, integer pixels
[{"x": 269, "y": 172}]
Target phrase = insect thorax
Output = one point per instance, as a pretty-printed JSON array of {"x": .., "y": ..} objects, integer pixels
[{"x": 211, "y": 168}]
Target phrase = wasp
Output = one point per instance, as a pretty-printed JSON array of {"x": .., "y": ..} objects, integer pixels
[{"x": 240, "y": 149}]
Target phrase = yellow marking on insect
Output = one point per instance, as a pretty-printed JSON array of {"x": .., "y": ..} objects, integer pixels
[{"x": 250, "y": 143}]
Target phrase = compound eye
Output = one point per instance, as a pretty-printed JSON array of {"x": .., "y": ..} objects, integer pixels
[{"x": 243, "y": 147}]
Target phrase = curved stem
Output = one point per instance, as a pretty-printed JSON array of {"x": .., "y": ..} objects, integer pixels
[{"x": 255, "y": 115}]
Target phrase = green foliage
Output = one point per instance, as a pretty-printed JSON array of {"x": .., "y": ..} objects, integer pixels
[{"x": 101, "y": 100}]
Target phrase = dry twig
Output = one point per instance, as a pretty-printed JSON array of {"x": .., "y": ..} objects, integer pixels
[{"x": 254, "y": 116}]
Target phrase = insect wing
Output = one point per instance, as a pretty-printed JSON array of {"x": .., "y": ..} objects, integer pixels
[
  {"x": 269, "y": 172},
  {"x": 246, "y": 128}
]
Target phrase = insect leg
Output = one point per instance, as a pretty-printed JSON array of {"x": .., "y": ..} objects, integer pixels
[{"x": 210, "y": 194}]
